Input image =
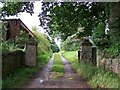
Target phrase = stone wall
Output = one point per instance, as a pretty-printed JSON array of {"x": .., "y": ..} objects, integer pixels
[
  {"x": 108, "y": 62},
  {"x": 12, "y": 61}
]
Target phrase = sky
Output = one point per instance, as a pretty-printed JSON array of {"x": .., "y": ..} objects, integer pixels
[{"x": 33, "y": 20}]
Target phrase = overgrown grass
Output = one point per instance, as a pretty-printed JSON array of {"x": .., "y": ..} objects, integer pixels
[
  {"x": 96, "y": 76},
  {"x": 58, "y": 67},
  {"x": 22, "y": 75}
]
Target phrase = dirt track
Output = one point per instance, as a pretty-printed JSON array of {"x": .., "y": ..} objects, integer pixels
[{"x": 70, "y": 79}]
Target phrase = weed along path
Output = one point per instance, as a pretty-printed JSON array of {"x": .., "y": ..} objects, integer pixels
[{"x": 57, "y": 74}]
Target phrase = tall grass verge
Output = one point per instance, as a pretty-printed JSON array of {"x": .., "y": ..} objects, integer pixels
[{"x": 96, "y": 76}]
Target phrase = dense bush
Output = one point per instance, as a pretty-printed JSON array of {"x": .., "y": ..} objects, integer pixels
[
  {"x": 21, "y": 40},
  {"x": 43, "y": 45},
  {"x": 9, "y": 45},
  {"x": 109, "y": 40},
  {"x": 100, "y": 38},
  {"x": 13, "y": 44},
  {"x": 106, "y": 41},
  {"x": 54, "y": 48}
]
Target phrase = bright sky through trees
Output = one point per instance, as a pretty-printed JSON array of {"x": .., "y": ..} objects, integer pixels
[
  {"x": 28, "y": 19},
  {"x": 33, "y": 20}
]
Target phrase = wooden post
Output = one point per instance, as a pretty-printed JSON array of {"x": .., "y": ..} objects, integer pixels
[
  {"x": 79, "y": 56},
  {"x": 94, "y": 61}
]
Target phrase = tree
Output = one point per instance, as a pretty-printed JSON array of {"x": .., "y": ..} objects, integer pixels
[
  {"x": 54, "y": 47},
  {"x": 71, "y": 43},
  {"x": 114, "y": 24},
  {"x": 67, "y": 17},
  {"x": 13, "y": 8},
  {"x": 100, "y": 38},
  {"x": 62, "y": 18}
]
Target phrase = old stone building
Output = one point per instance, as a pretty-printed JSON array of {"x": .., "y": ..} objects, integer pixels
[{"x": 13, "y": 28}]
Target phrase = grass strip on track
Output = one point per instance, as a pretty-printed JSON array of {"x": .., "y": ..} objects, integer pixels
[{"x": 58, "y": 68}]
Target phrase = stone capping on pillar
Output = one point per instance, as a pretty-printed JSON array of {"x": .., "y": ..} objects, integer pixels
[
  {"x": 86, "y": 42},
  {"x": 32, "y": 42}
]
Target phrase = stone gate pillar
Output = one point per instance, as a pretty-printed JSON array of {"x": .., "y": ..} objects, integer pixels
[
  {"x": 31, "y": 53},
  {"x": 88, "y": 53}
]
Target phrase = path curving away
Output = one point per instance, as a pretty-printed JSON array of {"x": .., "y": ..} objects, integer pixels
[{"x": 44, "y": 78}]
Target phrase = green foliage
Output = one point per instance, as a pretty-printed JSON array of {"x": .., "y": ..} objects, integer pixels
[
  {"x": 71, "y": 43},
  {"x": 13, "y": 8},
  {"x": 44, "y": 51},
  {"x": 69, "y": 46},
  {"x": 96, "y": 76},
  {"x": 113, "y": 50},
  {"x": 66, "y": 17},
  {"x": 57, "y": 66},
  {"x": 100, "y": 39},
  {"x": 43, "y": 44},
  {"x": 9, "y": 45},
  {"x": 114, "y": 32},
  {"x": 22, "y": 39},
  {"x": 3, "y": 29},
  {"x": 17, "y": 44},
  {"x": 57, "y": 59},
  {"x": 54, "y": 48},
  {"x": 105, "y": 79},
  {"x": 71, "y": 56},
  {"x": 22, "y": 75}
]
